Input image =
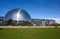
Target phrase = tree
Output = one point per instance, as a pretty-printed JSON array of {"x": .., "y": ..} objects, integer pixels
[
  {"x": 56, "y": 25},
  {"x": 8, "y": 22},
  {"x": 5, "y": 22}
]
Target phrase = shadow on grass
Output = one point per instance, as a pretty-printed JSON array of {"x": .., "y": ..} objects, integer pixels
[{"x": 1, "y": 28}]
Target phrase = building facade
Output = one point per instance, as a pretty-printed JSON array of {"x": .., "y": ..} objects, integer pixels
[
  {"x": 1, "y": 20},
  {"x": 43, "y": 22}
]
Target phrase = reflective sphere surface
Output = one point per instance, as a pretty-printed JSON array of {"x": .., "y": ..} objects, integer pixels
[{"x": 18, "y": 14}]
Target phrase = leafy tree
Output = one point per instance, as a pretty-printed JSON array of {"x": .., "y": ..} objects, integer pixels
[
  {"x": 56, "y": 25},
  {"x": 5, "y": 22},
  {"x": 8, "y": 22}
]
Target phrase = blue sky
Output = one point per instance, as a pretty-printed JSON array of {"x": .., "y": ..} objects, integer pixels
[{"x": 49, "y": 9}]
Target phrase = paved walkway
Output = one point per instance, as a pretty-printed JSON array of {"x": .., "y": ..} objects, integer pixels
[{"x": 28, "y": 26}]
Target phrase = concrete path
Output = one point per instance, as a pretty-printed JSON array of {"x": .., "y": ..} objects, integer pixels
[{"x": 28, "y": 26}]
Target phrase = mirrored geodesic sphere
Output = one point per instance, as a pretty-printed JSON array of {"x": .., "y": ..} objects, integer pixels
[{"x": 18, "y": 15}]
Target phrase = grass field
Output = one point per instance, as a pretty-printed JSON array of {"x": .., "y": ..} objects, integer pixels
[{"x": 30, "y": 33}]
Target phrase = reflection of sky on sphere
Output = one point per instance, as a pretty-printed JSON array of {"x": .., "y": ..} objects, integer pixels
[{"x": 18, "y": 15}]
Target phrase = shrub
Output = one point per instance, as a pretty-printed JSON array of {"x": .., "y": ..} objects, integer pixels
[{"x": 56, "y": 25}]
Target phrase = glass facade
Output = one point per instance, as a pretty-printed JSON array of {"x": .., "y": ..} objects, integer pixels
[
  {"x": 43, "y": 22},
  {"x": 1, "y": 20}
]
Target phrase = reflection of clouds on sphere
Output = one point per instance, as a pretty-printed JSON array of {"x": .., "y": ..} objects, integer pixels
[{"x": 18, "y": 14}]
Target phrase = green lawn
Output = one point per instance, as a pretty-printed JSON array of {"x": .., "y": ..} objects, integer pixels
[{"x": 30, "y": 33}]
